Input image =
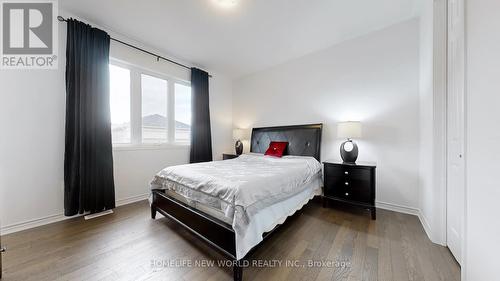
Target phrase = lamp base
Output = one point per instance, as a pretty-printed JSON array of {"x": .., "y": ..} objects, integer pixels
[
  {"x": 238, "y": 147},
  {"x": 349, "y": 151}
]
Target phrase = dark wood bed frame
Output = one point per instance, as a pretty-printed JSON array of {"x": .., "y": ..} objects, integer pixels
[{"x": 303, "y": 140}]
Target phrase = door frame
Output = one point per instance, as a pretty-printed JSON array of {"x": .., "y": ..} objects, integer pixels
[
  {"x": 441, "y": 30},
  {"x": 456, "y": 12},
  {"x": 440, "y": 110}
]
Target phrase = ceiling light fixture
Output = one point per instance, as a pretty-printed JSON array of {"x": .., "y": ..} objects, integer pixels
[{"x": 226, "y": 3}]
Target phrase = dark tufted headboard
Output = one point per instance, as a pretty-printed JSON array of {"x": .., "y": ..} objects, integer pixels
[{"x": 303, "y": 140}]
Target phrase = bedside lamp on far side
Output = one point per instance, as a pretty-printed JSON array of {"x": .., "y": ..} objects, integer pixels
[
  {"x": 349, "y": 149},
  {"x": 238, "y": 135}
]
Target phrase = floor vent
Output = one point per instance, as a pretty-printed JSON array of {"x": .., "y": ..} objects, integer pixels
[{"x": 96, "y": 215}]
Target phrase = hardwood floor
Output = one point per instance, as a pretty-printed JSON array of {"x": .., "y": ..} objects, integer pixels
[{"x": 129, "y": 245}]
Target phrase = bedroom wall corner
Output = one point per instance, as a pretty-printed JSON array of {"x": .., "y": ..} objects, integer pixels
[{"x": 221, "y": 114}]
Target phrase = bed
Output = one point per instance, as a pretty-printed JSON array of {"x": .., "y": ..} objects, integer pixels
[{"x": 235, "y": 204}]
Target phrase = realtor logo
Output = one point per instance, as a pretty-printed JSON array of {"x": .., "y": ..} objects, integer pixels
[{"x": 29, "y": 35}]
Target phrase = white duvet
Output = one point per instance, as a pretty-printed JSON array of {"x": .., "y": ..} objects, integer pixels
[{"x": 242, "y": 186}]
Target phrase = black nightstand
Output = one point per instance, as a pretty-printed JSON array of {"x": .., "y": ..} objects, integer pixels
[
  {"x": 227, "y": 156},
  {"x": 353, "y": 184}
]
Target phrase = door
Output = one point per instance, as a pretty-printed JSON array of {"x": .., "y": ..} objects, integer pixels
[{"x": 455, "y": 129}]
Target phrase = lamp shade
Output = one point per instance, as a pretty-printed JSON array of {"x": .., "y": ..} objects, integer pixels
[
  {"x": 349, "y": 130},
  {"x": 237, "y": 134},
  {"x": 240, "y": 134}
]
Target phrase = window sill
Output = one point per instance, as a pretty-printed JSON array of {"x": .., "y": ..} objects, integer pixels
[{"x": 163, "y": 146}]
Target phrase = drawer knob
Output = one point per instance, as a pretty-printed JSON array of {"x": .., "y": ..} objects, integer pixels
[
  {"x": 346, "y": 172},
  {"x": 347, "y": 194},
  {"x": 346, "y": 183}
]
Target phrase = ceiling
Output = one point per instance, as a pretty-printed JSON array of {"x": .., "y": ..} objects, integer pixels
[{"x": 247, "y": 37}]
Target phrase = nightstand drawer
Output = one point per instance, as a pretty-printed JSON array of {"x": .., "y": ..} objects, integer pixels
[
  {"x": 347, "y": 172},
  {"x": 357, "y": 184},
  {"x": 360, "y": 192},
  {"x": 335, "y": 171},
  {"x": 357, "y": 173},
  {"x": 333, "y": 186}
]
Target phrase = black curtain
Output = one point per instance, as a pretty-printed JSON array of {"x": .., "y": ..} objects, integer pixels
[
  {"x": 201, "y": 138},
  {"x": 88, "y": 158}
]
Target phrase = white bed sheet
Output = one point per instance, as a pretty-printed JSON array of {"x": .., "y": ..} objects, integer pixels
[
  {"x": 268, "y": 218},
  {"x": 216, "y": 213}
]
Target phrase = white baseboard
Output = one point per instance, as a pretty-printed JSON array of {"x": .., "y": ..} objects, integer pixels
[
  {"x": 34, "y": 223},
  {"x": 60, "y": 217},
  {"x": 397, "y": 208},
  {"x": 428, "y": 230},
  {"x": 425, "y": 225},
  {"x": 415, "y": 212},
  {"x": 132, "y": 199}
]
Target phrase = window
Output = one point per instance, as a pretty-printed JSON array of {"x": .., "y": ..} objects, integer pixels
[
  {"x": 182, "y": 113},
  {"x": 154, "y": 109},
  {"x": 148, "y": 108},
  {"x": 120, "y": 104}
]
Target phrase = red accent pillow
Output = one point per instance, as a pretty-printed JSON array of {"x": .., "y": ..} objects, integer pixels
[{"x": 276, "y": 148}]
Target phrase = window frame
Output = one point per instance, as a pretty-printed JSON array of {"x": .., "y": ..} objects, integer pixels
[
  {"x": 173, "y": 112},
  {"x": 136, "y": 108},
  {"x": 130, "y": 101}
]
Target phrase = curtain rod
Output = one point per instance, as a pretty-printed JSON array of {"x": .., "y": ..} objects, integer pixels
[{"x": 158, "y": 57}]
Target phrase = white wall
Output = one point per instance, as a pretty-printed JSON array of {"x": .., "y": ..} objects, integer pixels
[
  {"x": 31, "y": 143},
  {"x": 483, "y": 139},
  {"x": 432, "y": 192},
  {"x": 32, "y": 113},
  {"x": 426, "y": 195},
  {"x": 374, "y": 79}
]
